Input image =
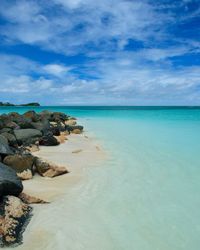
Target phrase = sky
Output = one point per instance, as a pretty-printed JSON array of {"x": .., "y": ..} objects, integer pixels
[{"x": 102, "y": 52}]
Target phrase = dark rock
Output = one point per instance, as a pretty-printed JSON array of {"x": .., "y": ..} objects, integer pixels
[
  {"x": 58, "y": 117},
  {"x": 14, "y": 215},
  {"x": 10, "y": 184},
  {"x": 27, "y": 136},
  {"x": 32, "y": 115},
  {"x": 48, "y": 140},
  {"x": 45, "y": 114},
  {"x": 71, "y": 128},
  {"x": 24, "y": 123},
  {"x": 11, "y": 125},
  {"x": 43, "y": 125},
  {"x": 4, "y": 147},
  {"x": 14, "y": 116},
  {"x": 4, "y": 119},
  {"x": 55, "y": 131},
  {"x": 19, "y": 162},
  {"x": 7, "y": 130},
  {"x": 12, "y": 141}
]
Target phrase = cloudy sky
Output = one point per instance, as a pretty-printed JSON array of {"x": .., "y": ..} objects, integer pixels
[{"x": 102, "y": 52}]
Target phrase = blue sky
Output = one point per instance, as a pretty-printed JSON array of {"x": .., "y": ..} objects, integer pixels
[{"x": 103, "y": 52}]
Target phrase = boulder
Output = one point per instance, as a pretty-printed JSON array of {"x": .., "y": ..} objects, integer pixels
[
  {"x": 45, "y": 114},
  {"x": 14, "y": 115},
  {"x": 43, "y": 126},
  {"x": 71, "y": 128},
  {"x": 11, "y": 125},
  {"x": 25, "y": 175},
  {"x": 70, "y": 122},
  {"x": 76, "y": 131},
  {"x": 19, "y": 162},
  {"x": 58, "y": 117},
  {"x": 14, "y": 215},
  {"x": 12, "y": 141},
  {"x": 27, "y": 136},
  {"x": 32, "y": 115},
  {"x": 4, "y": 147},
  {"x": 48, "y": 140},
  {"x": 5, "y": 130},
  {"x": 55, "y": 131},
  {"x": 32, "y": 148},
  {"x": 47, "y": 169},
  {"x": 10, "y": 184},
  {"x": 4, "y": 120},
  {"x": 25, "y": 123}
]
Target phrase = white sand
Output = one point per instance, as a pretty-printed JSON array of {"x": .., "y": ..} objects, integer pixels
[{"x": 77, "y": 153}]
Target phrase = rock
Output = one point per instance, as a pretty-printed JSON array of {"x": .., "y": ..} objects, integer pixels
[
  {"x": 47, "y": 169},
  {"x": 12, "y": 141},
  {"x": 27, "y": 136},
  {"x": 55, "y": 131},
  {"x": 55, "y": 171},
  {"x": 70, "y": 122},
  {"x": 25, "y": 175},
  {"x": 24, "y": 122},
  {"x": 31, "y": 199},
  {"x": 11, "y": 125},
  {"x": 41, "y": 166},
  {"x": 4, "y": 147},
  {"x": 5, "y": 130},
  {"x": 19, "y": 162},
  {"x": 58, "y": 117},
  {"x": 10, "y": 184},
  {"x": 71, "y": 128},
  {"x": 4, "y": 121},
  {"x": 45, "y": 114},
  {"x": 62, "y": 137},
  {"x": 33, "y": 148},
  {"x": 76, "y": 131},
  {"x": 32, "y": 115},
  {"x": 43, "y": 126},
  {"x": 14, "y": 215},
  {"x": 49, "y": 140}
]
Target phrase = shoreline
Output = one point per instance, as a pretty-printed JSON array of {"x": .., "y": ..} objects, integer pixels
[
  {"x": 66, "y": 154},
  {"x": 48, "y": 153},
  {"x": 53, "y": 190}
]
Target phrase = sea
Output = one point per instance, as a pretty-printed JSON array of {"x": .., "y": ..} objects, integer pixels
[{"x": 145, "y": 195}]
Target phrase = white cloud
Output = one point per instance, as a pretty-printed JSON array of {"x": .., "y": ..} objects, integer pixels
[
  {"x": 76, "y": 23},
  {"x": 100, "y": 30},
  {"x": 56, "y": 69}
]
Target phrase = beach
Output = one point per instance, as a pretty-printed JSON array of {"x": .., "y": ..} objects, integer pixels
[
  {"x": 78, "y": 153},
  {"x": 144, "y": 195}
]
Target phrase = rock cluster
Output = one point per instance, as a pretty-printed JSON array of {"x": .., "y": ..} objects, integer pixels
[{"x": 19, "y": 136}]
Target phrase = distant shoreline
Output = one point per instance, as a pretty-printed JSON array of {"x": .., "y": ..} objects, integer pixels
[{"x": 7, "y": 104}]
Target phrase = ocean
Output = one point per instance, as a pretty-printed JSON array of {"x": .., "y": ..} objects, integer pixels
[{"x": 145, "y": 195}]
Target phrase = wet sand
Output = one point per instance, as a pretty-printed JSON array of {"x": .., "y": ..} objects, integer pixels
[{"x": 76, "y": 154}]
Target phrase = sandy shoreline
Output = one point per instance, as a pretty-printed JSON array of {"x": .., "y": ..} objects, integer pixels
[{"x": 76, "y": 154}]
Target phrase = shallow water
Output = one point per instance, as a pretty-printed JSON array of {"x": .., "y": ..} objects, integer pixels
[{"x": 145, "y": 196}]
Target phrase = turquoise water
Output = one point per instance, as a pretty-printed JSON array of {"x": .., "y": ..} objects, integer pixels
[{"x": 146, "y": 195}]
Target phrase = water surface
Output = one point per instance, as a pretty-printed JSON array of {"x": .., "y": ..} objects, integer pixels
[{"x": 145, "y": 196}]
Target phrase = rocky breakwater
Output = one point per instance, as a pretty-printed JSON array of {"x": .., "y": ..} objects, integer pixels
[{"x": 20, "y": 135}]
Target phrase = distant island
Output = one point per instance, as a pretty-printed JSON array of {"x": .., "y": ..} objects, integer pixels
[{"x": 27, "y": 104}]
